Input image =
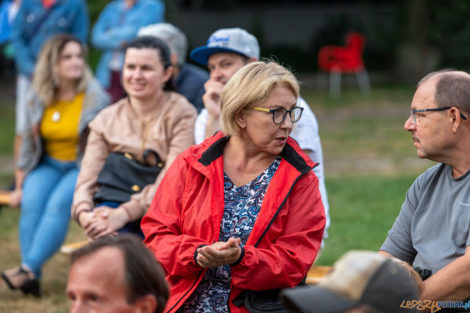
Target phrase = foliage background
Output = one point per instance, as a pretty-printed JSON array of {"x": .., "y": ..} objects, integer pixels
[{"x": 439, "y": 30}]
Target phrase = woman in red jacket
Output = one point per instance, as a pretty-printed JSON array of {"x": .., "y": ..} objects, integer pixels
[{"x": 242, "y": 210}]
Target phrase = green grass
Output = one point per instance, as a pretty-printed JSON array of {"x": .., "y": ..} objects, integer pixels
[
  {"x": 7, "y": 130},
  {"x": 362, "y": 211},
  {"x": 370, "y": 162}
]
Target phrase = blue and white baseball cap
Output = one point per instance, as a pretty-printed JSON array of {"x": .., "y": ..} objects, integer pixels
[{"x": 234, "y": 40}]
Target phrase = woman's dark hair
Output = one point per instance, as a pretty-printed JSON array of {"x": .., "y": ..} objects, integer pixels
[
  {"x": 144, "y": 275},
  {"x": 150, "y": 42}
]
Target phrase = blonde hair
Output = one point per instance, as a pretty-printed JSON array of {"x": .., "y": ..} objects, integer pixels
[
  {"x": 46, "y": 80},
  {"x": 251, "y": 85}
]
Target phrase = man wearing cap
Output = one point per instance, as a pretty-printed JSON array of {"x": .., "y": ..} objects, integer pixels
[
  {"x": 432, "y": 231},
  {"x": 188, "y": 79},
  {"x": 226, "y": 51},
  {"x": 361, "y": 282}
]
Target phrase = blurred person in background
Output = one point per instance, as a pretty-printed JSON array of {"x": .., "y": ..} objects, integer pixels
[
  {"x": 116, "y": 26},
  {"x": 188, "y": 79},
  {"x": 151, "y": 118},
  {"x": 63, "y": 100},
  {"x": 225, "y": 52},
  {"x": 8, "y": 11},
  {"x": 242, "y": 211},
  {"x": 35, "y": 23}
]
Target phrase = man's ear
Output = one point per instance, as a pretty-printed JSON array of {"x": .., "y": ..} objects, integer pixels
[
  {"x": 146, "y": 304},
  {"x": 455, "y": 118},
  {"x": 252, "y": 59}
]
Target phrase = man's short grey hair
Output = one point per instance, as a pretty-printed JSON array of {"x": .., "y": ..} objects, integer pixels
[
  {"x": 452, "y": 88},
  {"x": 172, "y": 35}
]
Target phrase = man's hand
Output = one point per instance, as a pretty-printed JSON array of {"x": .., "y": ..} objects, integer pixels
[
  {"x": 211, "y": 98},
  {"x": 219, "y": 253}
]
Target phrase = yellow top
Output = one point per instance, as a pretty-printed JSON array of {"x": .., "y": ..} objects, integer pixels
[{"x": 59, "y": 128}]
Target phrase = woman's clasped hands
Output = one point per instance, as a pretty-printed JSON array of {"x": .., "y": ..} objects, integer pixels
[
  {"x": 219, "y": 253},
  {"x": 102, "y": 221}
]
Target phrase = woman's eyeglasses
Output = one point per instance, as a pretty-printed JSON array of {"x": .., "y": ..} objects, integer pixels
[{"x": 279, "y": 115}]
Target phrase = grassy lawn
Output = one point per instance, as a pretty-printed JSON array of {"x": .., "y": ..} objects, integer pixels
[{"x": 370, "y": 162}]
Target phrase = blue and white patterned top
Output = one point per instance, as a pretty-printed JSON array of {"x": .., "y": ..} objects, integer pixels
[{"x": 242, "y": 205}]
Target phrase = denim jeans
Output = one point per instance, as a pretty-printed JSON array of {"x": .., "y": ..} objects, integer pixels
[{"x": 45, "y": 210}]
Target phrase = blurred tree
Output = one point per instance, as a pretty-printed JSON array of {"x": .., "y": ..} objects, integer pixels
[
  {"x": 450, "y": 31},
  {"x": 417, "y": 54},
  {"x": 95, "y": 7}
]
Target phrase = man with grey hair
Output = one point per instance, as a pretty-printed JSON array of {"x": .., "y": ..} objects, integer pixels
[
  {"x": 188, "y": 79},
  {"x": 432, "y": 231}
]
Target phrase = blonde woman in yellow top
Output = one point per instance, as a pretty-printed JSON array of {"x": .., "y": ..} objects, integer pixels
[{"x": 64, "y": 99}]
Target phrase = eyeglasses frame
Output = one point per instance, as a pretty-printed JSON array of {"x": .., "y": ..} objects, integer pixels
[
  {"x": 273, "y": 111},
  {"x": 413, "y": 112}
]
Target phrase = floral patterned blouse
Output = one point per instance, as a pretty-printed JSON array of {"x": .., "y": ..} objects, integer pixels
[{"x": 242, "y": 205}]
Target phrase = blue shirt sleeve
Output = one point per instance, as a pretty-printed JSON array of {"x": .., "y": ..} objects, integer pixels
[
  {"x": 109, "y": 34},
  {"x": 23, "y": 56},
  {"x": 81, "y": 24},
  {"x": 5, "y": 28}
]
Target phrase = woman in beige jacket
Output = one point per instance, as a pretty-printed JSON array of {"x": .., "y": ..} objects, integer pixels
[{"x": 151, "y": 117}]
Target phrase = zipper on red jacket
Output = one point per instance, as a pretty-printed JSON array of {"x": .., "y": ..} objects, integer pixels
[
  {"x": 184, "y": 295},
  {"x": 278, "y": 210}
]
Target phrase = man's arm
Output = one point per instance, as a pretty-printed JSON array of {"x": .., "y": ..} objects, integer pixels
[{"x": 452, "y": 282}]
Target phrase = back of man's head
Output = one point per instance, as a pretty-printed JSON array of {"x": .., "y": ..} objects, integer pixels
[
  {"x": 361, "y": 281},
  {"x": 143, "y": 274},
  {"x": 234, "y": 40},
  {"x": 172, "y": 35}
]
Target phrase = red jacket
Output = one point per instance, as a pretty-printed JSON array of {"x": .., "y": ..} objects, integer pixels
[{"x": 187, "y": 210}]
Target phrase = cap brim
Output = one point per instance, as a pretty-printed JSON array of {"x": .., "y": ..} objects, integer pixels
[
  {"x": 316, "y": 300},
  {"x": 202, "y": 54}
]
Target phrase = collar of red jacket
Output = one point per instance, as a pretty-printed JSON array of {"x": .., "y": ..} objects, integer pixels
[{"x": 213, "y": 148}]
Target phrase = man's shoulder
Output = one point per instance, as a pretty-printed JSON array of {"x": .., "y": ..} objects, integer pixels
[
  {"x": 434, "y": 171},
  {"x": 307, "y": 116},
  {"x": 434, "y": 178}
]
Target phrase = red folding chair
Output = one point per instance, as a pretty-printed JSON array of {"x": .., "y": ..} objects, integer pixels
[{"x": 345, "y": 59}]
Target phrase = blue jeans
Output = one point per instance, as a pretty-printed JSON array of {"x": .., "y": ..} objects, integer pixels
[{"x": 45, "y": 210}]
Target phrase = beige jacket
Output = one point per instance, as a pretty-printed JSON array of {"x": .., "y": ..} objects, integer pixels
[{"x": 167, "y": 129}]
